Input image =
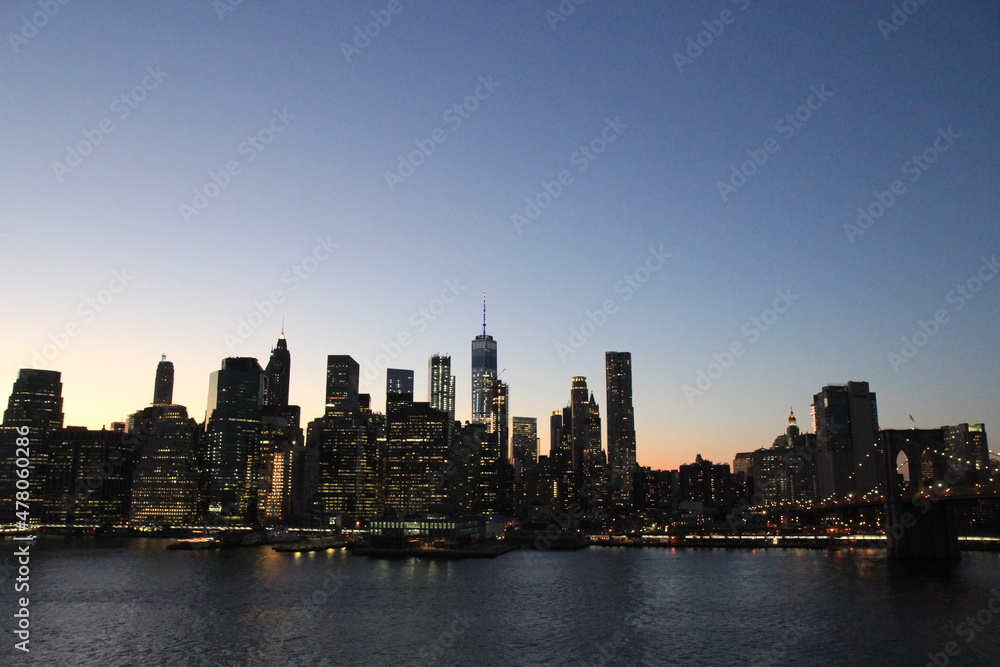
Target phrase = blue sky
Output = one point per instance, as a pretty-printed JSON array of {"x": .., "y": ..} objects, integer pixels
[{"x": 290, "y": 141}]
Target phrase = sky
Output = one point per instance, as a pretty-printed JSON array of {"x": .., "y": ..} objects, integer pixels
[{"x": 755, "y": 199}]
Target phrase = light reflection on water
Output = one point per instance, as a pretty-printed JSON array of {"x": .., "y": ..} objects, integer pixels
[{"x": 133, "y": 602}]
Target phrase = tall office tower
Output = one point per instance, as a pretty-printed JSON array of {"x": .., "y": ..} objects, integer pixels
[
  {"x": 344, "y": 447},
  {"x": 279, "y": 471},
  {"x": 398, "y": 388},
  {"x": 342, "y": 383},
  {"x": 34, "y": 407},
  {"x": 36, "y": 401},
  {"x": 968, "y": 451},
  {"x": 418, "y": 447},
  {"x": 555, "y": 433},
  {"x": 232, "y": 438},
  {"x": 278, "y": 373},
  {"x": 594, "y": 455},
  {"x": 621, "y": 426},
  {"x": 846, "y": 425},
  {"x": 484, "y": 372},
  {"x": 165, "y": 477},
  {"x": 163, "y": 391},
  {"x": 579, "y": 422},
  {"x": 524, "y": 444},
  {"x": 442, "y": 384},
  {"x": 499, "y": 419},
  {"x": 275, "y": 475},
  {"x": 89, "y": 480}
]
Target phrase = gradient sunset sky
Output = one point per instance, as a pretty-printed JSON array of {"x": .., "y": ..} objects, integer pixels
[{"x": 618, "y": 120}]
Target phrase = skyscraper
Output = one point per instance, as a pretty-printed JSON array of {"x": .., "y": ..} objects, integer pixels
[
  {"x": 89, "y": 477},
  {"x": 165, "y": 478},
  {"x": 579, "y": 422},
  {"x": 968, "y": 450},
  {"x": 278, "y": 373},
  {"x": 500, "y": 420},
  {"x": 524, "y": 444},
  {"x": 846, "y": 425},
  {"x": 236, "y": 396},
  {"x": 484, "y": 372},
  {"x": 36, "y": 401},
  {"x": 442, "y": 384},
  {"x": 345, "y": 447},
  {"x": 342, "y": 384},
  {"x": 398, "y": 388},
  {"x": 36, "y": 404},
  {"x": 163, "y": 391},
  {"x": 418, "y": 449},
  {"x": 621, "y": 426}
]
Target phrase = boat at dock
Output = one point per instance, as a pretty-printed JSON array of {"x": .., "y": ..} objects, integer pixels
[
  {"x": 196, "y": 544},
  {"x": 281, "y": 537},
  {"x": 312, "y": 544}
]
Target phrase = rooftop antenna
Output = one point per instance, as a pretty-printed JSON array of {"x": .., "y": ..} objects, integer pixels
[{"x": 484, "y": 313}]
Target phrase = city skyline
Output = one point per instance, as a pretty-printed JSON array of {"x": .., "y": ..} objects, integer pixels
[
  {"x": 751, "y": 218},
  {"x": 399, "y": 383}
]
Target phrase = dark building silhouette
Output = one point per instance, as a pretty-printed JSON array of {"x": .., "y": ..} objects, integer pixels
[
  {"x": 398, "y": 388},
  {"x": 500, "y": 419},
  {"x": 36, "y": 401},
  {"x": 232, "y": 438},
  {"x": 345, "y": 444},
  {"x": 418, "y": 450},
  {"x": 524, "y": 444},
  {"x": 35, "y": 404},
  {"x": 342, "y": 384},
  {"x": 621, "y": 427},
  {"x": 579, "y": 422},
  {"x": 846, "y": 425},
  {"x": 786, "y": 472},
  {"x": 968, "y": 450},
  {"x": 278, "y": 373},
  {"x": 89, "y": 478},
  {"x": 163, "y": 391},
  {"x": 707, "y": 484},
  {"x": 165, "y": 478}
]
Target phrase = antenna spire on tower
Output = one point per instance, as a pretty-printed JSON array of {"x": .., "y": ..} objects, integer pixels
[{"x": 484, "y": 313}]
